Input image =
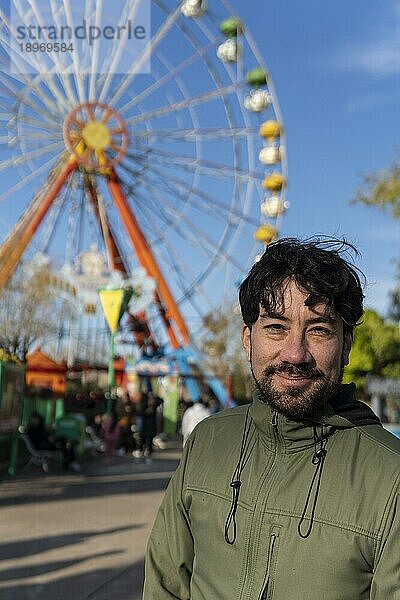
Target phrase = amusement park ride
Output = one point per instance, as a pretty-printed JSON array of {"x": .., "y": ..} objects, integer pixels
[{"x": 165, "y": 170}]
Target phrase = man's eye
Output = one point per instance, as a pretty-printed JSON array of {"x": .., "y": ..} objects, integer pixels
[
  {"x": 322, "y": 331},
  {"x": 274, "y": 327}
]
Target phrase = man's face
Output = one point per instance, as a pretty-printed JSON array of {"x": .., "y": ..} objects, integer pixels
[{"x": 297, "y": 355}]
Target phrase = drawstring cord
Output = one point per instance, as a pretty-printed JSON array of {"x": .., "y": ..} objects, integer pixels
[
  {"x": 245, "y": 452},
  {"x": 318, "y": 460}
]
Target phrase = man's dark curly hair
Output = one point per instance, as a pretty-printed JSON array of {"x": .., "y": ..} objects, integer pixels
[{"x": 317, "y": 266}]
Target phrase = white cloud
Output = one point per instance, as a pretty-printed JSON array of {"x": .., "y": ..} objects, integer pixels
[{"x": 380, "y": 55}]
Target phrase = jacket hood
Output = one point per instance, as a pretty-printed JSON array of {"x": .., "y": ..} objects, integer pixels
[{"x": 345, "y": 407}]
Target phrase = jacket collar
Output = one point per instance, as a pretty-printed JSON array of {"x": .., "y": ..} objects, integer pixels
[{"x": 281, "y": 432}]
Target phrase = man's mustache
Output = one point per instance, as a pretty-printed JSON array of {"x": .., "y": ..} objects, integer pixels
[{"x": 294, "y": 371}]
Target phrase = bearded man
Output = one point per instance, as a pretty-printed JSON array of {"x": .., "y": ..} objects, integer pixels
[{"x": 297, "y": 496}]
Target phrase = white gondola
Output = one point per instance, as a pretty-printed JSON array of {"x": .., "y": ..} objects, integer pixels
[
  {"x": 274, "y": 206},
  {"x": 270, "y": 155},
  {"x": 257, "y": 100},
  {"x": 193, "y": 8},
  {"x": 229, "y": 50}
]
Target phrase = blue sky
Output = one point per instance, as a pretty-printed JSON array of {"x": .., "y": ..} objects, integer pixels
[{"x": 336, "y": 67}]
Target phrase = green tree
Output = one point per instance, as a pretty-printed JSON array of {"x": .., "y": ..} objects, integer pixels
[
  {"x": 382, "y": 189},
  {"x": 375, "y": 351}
]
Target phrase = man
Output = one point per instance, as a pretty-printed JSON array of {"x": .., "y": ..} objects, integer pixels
[{"x": 297, "y": 496}]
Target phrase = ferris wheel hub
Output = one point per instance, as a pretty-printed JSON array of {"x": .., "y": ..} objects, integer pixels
[{"x": 96, "y": 135}]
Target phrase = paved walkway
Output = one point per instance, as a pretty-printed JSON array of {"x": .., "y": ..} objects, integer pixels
[{"x": 80, "y": 536}]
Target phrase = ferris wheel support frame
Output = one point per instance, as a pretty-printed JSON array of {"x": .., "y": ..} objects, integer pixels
[
  {"x": 13, "y": 248},
  {"x": 116, "y": 261},
  {"x": 146, "y": 258}
]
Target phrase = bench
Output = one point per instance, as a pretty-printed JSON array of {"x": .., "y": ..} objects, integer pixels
[{"x": 40, "y": 458}]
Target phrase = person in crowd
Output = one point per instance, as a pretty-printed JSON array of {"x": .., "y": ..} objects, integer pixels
[
  {"x": 297, "y": 495},
  {"x": 110, "y": 433},
  {"x": 126, "y": 411},
  {"x": 42, "y": 439},
  {"x": 148, "y": 414},
  {"x": 193, "y": 415}
]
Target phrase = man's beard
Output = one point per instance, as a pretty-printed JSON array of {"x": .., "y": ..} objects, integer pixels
[{"x": 296, "y": 403}]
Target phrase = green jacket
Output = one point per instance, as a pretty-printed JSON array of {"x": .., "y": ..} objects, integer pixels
[{"x": 316, "y": 510}]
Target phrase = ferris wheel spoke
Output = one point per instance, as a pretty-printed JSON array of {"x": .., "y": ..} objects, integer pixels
[
  {"x": 96, "y": 48},
  {"x": 72, "y": 226},
  {"x": 27, "y": 179},
  {"x": 13, "y": 90},
  {"x": 20, "y": 160},
  {"x": 114, "y": 56},
  {"x": 186, "y": 103},
  {"x": 151, "y": 46},
  {"x": 171, "y": 75},
  {"x": 36, "y": 124},
  {"x": 90, "y": 112},
  {"x": 21, "y": 60},
  {"x": 54, "y": 216},
  {"x": 8, "y": 46},
  {"x": 46, "y": 121},
  {"x": 189, "y": 163},
  {"x": 47, "y": 102},
  {"x": 201, "y": 239},
  {"x": 184, "y": 275},
  {"x": 191, "y": 195},
  {"x": 37, "y": 138},
  {"x": 198, "y": 134},
  {"x": 213, "y": 203},
  {"x": 54, "y": 56},
  {"x": 176, "y": 193},
  {"x": 79, "y": 80},
  {"x": 63, "y": 71},
  {"x": 165, "y": 218}
]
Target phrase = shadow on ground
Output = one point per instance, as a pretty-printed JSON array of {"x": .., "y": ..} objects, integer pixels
[
  {"x": 32, "y": 547},
  {"x": 121, "y": 476},
  {"x": 118, "y": 584}
]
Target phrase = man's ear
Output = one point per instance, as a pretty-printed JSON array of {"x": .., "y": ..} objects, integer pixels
[
  {"x": 246, "y": 341},
  {"x": 348, "y": 342}
]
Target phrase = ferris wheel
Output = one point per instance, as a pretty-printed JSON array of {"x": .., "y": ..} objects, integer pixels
[{"x": 166, "y": 152}]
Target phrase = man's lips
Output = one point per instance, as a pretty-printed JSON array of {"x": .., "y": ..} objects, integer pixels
[{"x": 294, "y": 380}]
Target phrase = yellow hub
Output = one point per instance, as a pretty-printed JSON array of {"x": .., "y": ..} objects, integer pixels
[{"x": 96, "y": 135}]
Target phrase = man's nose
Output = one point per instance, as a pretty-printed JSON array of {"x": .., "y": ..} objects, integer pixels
[{"x": 295, "y": 349}]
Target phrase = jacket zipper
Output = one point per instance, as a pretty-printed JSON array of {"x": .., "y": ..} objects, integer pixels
[
  {"x": 265, "y": 587},
  {"x": 275, "y": 425}
]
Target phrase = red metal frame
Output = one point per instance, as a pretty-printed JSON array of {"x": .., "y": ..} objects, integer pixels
[
  {"x": 164, "y": 297},
  {"x": 14, "y": 247}
]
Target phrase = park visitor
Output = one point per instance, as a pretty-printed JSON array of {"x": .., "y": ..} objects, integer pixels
[{"x": 296, "y": 496}]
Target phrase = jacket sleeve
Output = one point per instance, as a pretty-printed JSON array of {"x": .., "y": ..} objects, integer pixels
[
  {"x": 169, "y": 555},
  {"x": 386, "y": 578}
]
